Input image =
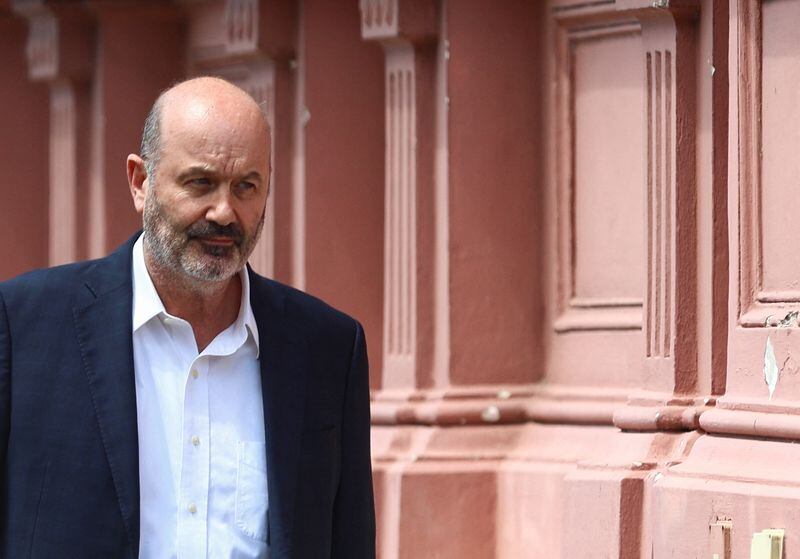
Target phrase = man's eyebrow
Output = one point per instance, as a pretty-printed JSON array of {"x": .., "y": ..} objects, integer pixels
[
  {"x": 253, "y": 175},
  {"x": 206, "y": 170},
  {"x": 196, "y": 170}
]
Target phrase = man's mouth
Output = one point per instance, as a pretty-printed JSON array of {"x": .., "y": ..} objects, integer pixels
[{"x": 218, "y": 241}]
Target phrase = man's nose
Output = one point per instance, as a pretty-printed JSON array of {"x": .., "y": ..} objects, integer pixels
[{"x": 221, "y": 210}]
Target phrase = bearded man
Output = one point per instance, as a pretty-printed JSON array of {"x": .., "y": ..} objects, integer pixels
[{"x": 166, "y": 401}]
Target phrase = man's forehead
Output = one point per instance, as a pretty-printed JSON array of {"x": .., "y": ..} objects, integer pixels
[{"x": 198, "y": 115}]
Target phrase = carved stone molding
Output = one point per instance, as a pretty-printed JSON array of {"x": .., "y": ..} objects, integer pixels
[
  {"x": 42, "y": 48},
  {"x": 229, "y": 31},
  {"x": 241, "y": 25},
  {"x": 59, "y": 40},
  {"x": 669, "y": 37},
  {"x": 576, "y": 312},
  {"x": 400, "y": 231},
  {"x": 60, "y": 52},
  {"x": 500, "y": 405},
  {"x": 757, "y": 300},
  {"x": 63, "y": 173},
  {"x": 412, "y": 20}
]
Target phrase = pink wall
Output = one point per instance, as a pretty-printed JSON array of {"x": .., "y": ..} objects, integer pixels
[
  {"x": 23, "y": 194},
  {"x": 129, "y": 74},
  {"x": 495, "y": 127},
  {"x": 567, "y": 227}
]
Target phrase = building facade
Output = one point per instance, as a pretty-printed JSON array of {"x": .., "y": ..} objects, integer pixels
[{"x": 566, "y": 225}]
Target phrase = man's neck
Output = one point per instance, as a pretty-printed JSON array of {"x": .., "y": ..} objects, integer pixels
[{"x": 209, "y": 306}]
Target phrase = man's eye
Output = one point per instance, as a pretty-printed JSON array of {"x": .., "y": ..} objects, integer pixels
[
  {"x": 200, "y": 182},
  {"x": 245, "y": 185}
]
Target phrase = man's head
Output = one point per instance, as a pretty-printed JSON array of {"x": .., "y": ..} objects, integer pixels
[{"x": 202, "y": 179}]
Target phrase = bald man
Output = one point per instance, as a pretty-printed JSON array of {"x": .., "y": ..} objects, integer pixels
[{"x": 166, "y": 401}]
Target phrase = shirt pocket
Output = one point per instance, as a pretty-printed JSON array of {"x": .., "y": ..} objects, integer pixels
[{"x": 252, "y": 500}]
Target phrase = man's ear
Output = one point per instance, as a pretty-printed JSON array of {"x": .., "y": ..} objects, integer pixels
[{"x": 137, "y": 181}]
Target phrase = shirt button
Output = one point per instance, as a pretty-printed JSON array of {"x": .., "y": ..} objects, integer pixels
[
  {"x": 195, "y": 374},
  {"x": 192, "y": 508},
  {"x": 195, "y": 440}
]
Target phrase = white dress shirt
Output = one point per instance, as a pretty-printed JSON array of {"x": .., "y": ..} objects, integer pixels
[{"x": 202, "y": 452}]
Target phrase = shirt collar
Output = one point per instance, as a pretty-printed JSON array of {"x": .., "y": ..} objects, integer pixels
[{"x": 147, "y": 304}]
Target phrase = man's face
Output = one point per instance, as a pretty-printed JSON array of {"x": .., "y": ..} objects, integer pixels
[{"x": 205, "y": 202}]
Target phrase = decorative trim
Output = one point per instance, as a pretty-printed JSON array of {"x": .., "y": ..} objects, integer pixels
[
  {"x": 751, "y": 424},
  {"x": 63, "y": 174},
  {"x": 241, "y": 26},
  {"x": 42, "y": 47},
  {"x": 379, "y": 19},
  {"x": 660, "y": 202},
  {"x": 754, "y": 304},
  {"x": 497, "y": 405},
  {"x": 577, "y": 313},
  {"x": 400, "y": 238},
  {"x": 661, "y": 418}
]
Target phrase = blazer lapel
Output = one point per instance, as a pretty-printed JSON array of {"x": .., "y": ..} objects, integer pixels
[
  {"x": 104, "y": 328},
  {"x": 283, "y": 360}
]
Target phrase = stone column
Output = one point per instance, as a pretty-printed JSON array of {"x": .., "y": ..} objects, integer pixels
[
  {"x": 60, "y": 53},
  {"x": 407, "y": 30},
  {"x": 668, "y": 398},
  {"x": 663, "y": 410}
]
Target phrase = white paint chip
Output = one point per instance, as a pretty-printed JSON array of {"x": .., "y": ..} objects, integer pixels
[
  {"x": 770, "y": 368},
  {"x": 491, "y": 414}
]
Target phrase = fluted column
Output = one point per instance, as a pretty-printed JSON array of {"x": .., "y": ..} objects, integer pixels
[
  {"x": 60, "y": 54},
  {"x": 667, "y": 399},
  {"x": 407, "y": 30}
]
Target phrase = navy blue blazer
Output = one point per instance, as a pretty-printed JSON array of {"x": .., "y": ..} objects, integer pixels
[{"x": 68, "y": 436}]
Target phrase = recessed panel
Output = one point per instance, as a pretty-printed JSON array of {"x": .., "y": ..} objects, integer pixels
[
  {"x": 780, "y": 202},
  {"x": 608, "y": 198}
]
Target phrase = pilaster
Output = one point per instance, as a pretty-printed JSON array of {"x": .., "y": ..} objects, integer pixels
[
  {"x": 668, "y": 398},
  {"x": 407, "y": 31},
  {"x": 60, "y": 53}
]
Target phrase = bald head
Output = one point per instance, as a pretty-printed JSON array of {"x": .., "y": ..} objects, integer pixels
[{"x": 204, "y": 101}]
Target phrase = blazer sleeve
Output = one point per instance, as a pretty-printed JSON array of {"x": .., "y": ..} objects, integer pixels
[
  {"x": 354, "y": 509},
  {"x": 5, "y": 394},
  {"x": 5, "y": 382}
]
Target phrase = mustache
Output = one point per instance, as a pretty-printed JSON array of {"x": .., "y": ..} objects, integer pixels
[{"x": 208, "y": 229}]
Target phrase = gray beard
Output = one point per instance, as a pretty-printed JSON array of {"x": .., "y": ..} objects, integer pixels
[{"x": 170, "y": 249}]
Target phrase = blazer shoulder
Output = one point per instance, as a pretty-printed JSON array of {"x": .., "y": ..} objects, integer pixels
[
  {"x": 50, "y": 286},
  {"x": 45, "y": 285},
  {"x": 304, "y": 308}
]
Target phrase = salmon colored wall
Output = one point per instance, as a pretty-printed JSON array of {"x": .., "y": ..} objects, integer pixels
[
  {"x": 495, "y": 126},
  {"x": 140, "y": 53},
  {"x": 567, "y": 227},
  {"x": 23, "y": 157}
]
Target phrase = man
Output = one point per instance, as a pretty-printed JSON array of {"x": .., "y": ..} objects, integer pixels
[{"x": 166, "y": 401}]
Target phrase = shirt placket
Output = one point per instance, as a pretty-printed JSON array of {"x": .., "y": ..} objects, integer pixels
[{"x": 194, "y": 480}]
